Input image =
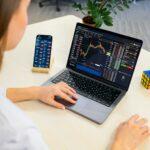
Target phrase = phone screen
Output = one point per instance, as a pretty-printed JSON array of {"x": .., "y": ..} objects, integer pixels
[{"x": 42, "y": 51}]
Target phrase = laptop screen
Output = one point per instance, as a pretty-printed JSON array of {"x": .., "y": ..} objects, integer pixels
[{"x": 104, "y": 55}]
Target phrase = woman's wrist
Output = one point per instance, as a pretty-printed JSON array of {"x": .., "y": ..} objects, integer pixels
[
  {"x": 22, "y": 94},
  {"x": 33, "y": 92}
]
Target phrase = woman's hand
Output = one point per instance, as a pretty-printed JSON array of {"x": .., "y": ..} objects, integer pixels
[
  {"x": 131, "y": 134},
  {"x": 48, "y": 94}
]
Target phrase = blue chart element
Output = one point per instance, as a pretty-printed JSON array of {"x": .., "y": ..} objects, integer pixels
[{"x": 88, "y": 70}]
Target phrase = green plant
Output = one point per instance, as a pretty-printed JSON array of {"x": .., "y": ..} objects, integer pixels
[{"x": 101, "y": 10}]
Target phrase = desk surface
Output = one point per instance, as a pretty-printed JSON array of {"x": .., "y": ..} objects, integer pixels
[{"x": 64, "y": 130}]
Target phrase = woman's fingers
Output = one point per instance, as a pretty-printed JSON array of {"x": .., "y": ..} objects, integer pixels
[
  {"x": 145, "y": 129},
  {"x": 141, "y": 122},
  {"x": 57, "y": 105},
  {"x": 146, "y": 133},
  {"x": 70, "y": 93},
  {"x": 66, "y": 97},
  {"x": 68, "y": 87},
  {"x": 71, "y": 89},
  {"x": 133, "y": 118}
]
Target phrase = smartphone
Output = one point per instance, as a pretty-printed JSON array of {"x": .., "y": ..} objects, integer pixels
[{"x": 42, "y": 55}]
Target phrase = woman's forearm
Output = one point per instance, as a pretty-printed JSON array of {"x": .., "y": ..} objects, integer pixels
[
  {"x": 45, "y": 94},
  {"x": 22, "y": 94}
]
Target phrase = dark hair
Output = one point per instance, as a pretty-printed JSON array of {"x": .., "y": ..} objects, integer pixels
[{"x": 7, "y": 9}]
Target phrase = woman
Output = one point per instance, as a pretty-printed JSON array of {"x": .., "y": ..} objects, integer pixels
[{"x": 16, "y": 130}]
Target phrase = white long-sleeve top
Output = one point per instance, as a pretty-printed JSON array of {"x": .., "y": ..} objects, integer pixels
[{"x": 17, "y": 132}]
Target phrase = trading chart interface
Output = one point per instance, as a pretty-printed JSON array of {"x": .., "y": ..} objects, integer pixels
[{"x": 104, "y": 55}]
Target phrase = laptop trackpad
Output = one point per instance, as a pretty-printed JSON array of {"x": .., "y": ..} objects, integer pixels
[
  {"x": 88, "y": 108},
  {"x": 80, "y": 103}
]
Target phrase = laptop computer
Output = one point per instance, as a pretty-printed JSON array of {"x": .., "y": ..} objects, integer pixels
[{"x": 100, "y": 67}]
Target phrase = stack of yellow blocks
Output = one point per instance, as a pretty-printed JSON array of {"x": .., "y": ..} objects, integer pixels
[{"x": 145, "y": 81}]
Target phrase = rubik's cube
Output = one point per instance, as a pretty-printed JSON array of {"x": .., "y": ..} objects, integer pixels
[{"x": 145, "y": 81}]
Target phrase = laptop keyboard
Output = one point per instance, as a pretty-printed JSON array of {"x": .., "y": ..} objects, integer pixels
[{"x": 91, "y": 89}]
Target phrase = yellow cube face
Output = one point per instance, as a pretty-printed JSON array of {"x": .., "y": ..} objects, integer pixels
[
  {"x": 145, "y": 81},
  {"x": 142, "y": 81}
]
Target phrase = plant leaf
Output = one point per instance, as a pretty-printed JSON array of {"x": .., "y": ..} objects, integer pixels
[
  {"x": 108, "y": 20},
  {"x": 98, "y": 21},
  {"x": 77, "y": 6}
]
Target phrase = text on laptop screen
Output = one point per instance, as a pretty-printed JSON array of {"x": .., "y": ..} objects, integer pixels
[{"x": 104, "y": 55}]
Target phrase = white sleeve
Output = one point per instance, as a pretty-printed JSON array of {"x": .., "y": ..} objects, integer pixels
[
  {"x": 17, "y": 131},
  {"x": 3, "y": 92}
]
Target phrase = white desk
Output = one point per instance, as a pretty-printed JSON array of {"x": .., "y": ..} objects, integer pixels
[{"x": 64, "y": 130}]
